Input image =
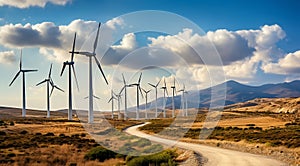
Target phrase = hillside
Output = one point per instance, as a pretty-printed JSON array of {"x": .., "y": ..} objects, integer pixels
[{"x": 235, "y": 93}]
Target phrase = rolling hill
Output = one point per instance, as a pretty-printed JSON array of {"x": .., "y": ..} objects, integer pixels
[{"x": 235, "y": 93}]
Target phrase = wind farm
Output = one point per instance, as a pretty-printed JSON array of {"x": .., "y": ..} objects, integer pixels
[{"x": 199, "y": 83}]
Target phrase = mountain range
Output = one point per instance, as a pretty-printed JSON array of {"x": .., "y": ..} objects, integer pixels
[{"x": 231, "y": 92}]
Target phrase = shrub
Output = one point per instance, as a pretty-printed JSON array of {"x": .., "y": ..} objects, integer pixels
[
  {"x": 99, "y": 153},
  {"x": 2, "y": 133},
  {"x": 24, "y": 132},
  {"x": 250, "y": 124},
  {"x": 49, "y": 134},
  {"x": 12, "y": 123},
  {"x": 11, "y": 155},
  {"x": 163, "y": 158}
]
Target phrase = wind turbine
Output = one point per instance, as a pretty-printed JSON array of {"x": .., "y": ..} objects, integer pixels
[
  {"x": 71, "y": 68},
  {"x": 112, "y": 103},
  {"x": 164, "y": 100},
  {"x": 182, "y": 99},
  {"x": 138, "y": 89},
  {"x": 146, "y": 97},
  {"x": 155, "y": 86},
  {"x": 173, "y": 94},
  {"x": 119, "y": 99},
  {"x": 49, "y": 81},
  {"x": 186, "y": 106},
  {"x": 24, "y": 87},
  {"x": 91, "y": 55},
  {"x": 125, "y": 95}
]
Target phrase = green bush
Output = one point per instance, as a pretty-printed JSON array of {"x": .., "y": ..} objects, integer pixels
[
  {"x": 100, "y": 154},
  {"x": 163, "y": 158}
]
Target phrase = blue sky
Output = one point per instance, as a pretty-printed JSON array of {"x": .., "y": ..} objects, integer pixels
[{"x": 269, "y": 28}]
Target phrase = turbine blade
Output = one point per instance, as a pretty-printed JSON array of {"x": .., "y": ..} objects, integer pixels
[
  {"x": 29, "y": 70},
  {"x": 144, "y": 91},
  {"x": 96, "y": 97},
  {"x": 141, "y": 91},
  {"x": 52, "y": 90},
  {"x": 110, "y": 100},
  {"x": 63, "y": 68},
  {"x": 49, "y": 76},
  {"x": 158, "y": 83},
  {"x": 99, "y": 66},
  {"x": 123, "y": 79},
  {"x": 20, "y": 67},
  {"x": 167, "y": 91},
  {"x": 59, "y": 88},
  {"x": 15, "y": 78},
  {"x": 41, "y": 82},
  {"x": 152, "y": 85},
  {"x": 165, "y": 82},
  {"x": 140, "y": 78},
  {"x": 122, "y": 89},
  {"x": 86, "y": 97},
  {"x": 96, "y": 40},
  {"x": 73, "y": 48},
  {"x": 73, "y": 69},
  {"x": 174, "y": 82},
  {"x": 84, "y": 53}
]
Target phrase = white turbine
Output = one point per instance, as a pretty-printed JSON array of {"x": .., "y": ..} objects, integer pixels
[
  {"x": 112, "y": 103},
  {"x": 146, "y": 98},
  {"x": 71, "y": 68},
  {"x": 138, "y": 89},
  {"x": 23, "y": 84},
  {"x": 119, "y": 99},
  {"x": 125, "y": 96},
  {"x": 182, "y": 99},
  {"x": 164, "y": 99},
  {"x": 155, "y": 86},
  {"x": 91, "y": 55},
  {"x": 173, "y": 102},
  {"x": 49, "y": 81}
]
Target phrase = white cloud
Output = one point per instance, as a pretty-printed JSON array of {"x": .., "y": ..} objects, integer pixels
[
  {"x": 54, "y": 41},
  {"x": 289, "y": 64},
  {"x": 7, "y": 57},
  {"x": 30, "y": 3},
  {"x": 127, "y": 43},
  {"x": 113, "y": 23}
]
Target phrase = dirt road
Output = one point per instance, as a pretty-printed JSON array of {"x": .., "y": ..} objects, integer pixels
[{"x": 215, "y": 156}]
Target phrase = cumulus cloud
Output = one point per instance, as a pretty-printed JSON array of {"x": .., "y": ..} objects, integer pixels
[
  {"x": 230, "y": 45},
  {"x": 289, "y": 64},
  {"x": 7, "y": 57},
  {"x": 55, "y": 41},
  {"x": 44, "y": 34},
  {"x": 30, "y": 3}
]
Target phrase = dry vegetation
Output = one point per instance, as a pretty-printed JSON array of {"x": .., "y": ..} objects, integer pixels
[
  {"x": 36, "y": 140},
  {"x": 269, "y": 126}
]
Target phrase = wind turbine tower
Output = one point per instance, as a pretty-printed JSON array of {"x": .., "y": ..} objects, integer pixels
[
  {"x": 173, "y": 102},
  {"x": 112, "y": 103},
  {"x": 182, "y": 99},
  {"x": 146, "y": 98},
  {"x": 164, "y": 99},
  {"x": 91, "y": 55},
  {"x": 138, "y": 91},
  {"x": 155, "y": 86},
  {"x": 125, "y": 96},
  {"x": 49, "y": 81},
  {"x": 21, "y": 70},
  {"x": 71, "y": 68}
]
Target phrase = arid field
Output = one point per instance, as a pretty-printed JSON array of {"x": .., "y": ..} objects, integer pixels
[{"x": 36, "y": 140}]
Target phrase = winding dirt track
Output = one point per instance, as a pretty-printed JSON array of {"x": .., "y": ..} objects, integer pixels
[{"x": 215, "y": 156}]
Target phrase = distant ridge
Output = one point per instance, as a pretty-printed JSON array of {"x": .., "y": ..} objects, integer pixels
[{"x": 235, "y": 93}]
